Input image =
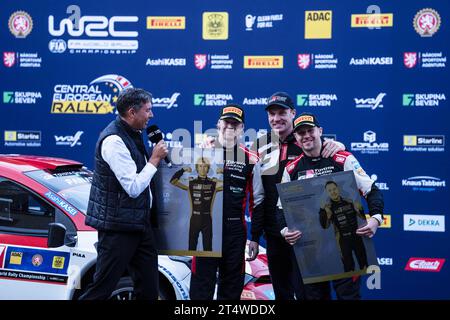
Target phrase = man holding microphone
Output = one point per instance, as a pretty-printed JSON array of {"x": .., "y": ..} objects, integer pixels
[{"x": 120, "y": 202}]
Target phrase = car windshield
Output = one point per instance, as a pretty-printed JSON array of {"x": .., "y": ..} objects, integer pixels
[{"x": 74, "y": 185}]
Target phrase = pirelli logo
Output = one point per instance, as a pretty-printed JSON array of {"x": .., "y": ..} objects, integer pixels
[
  {"x": 174, "y": 23},
  {"x": 386, "y": 221},
  {"x": 372, "y": 20},
  {"x": 303, "y": 119},
  {"x": 232, "y": 110},
  {"x": 263, "y": 62}
]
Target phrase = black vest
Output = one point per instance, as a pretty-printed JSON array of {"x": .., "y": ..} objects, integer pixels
[{"x": 110, "y": 207}]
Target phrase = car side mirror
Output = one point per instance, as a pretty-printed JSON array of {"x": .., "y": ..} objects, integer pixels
[{"x": 56, "y": 235}]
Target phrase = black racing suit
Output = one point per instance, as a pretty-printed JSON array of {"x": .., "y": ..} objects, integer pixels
[
  {"x": 344, "y": 218},
  {"x": 304, "y": 167},
  {"x": 284, "y": 272},
  {"x": 239, "y": 182},
  {"x": 201, "y": 193}
]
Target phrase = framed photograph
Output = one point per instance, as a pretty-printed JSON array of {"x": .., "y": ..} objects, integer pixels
[{"x": 328, "y": 211}]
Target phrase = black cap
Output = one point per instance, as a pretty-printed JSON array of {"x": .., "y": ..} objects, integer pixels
[
  {"x": 306, "y": 119},
  {"x": 233, "y": 111},
  {"x": 281, "y": 99}
]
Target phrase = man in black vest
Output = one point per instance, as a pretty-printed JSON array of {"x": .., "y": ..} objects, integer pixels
[{"x": 120, "y": 201}]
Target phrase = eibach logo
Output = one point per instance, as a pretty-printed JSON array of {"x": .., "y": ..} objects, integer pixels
[{"x": 425, "y": 264}]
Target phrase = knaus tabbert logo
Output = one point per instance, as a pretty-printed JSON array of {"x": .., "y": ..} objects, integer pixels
[
  {"x": 370, "y": 146},
  {"x": 71, "y": 141},
  {"x": 167, "y": 103},
  {"x": 370, "y": 103},
  {"x": 424, "y": 59},
  {"x": 97, "y": 30},
  {"x": 424, "y": 143},
  {"x": 423, "y": 183},
  {"x": 99, "y": 97},
  {"x": 426, "y": 223}
]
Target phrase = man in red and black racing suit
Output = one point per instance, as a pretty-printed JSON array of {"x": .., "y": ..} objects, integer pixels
[
  {"x": 308, "y": 132},
  {"x": 241, "y": 180}
]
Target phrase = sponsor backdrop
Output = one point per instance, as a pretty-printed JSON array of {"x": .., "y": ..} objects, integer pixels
[{"x": 375, "y": 73}]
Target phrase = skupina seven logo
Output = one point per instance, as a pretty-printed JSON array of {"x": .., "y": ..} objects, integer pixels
[
  {"x": 423, "y": 99},
  {"x": 316, "y": 100},
  {"x": 98, "y": 97}
]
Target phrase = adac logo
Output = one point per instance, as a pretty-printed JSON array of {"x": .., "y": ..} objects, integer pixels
[
  {"x": 375, "y": 20},
  {"x": 58, "y": 262},
  {"x": 9, "y": 59},
  {"x": 263, "y": 62},
  {"x": 166, "y": 23},
  {"x": 427, "y": 22},
  {"x": 37, "y": 260},
  {"x": 304, "y": 60},
  {"x": 318, "y": 24},
  {"x": 215, "y": 25},
  {"x": 410, "y": 59},
  {"x": 15, "y": 257},
  {"x": 99, "y": 97},
  {"x": 20, "y": 24},
  {"x": 425, "y": 264}
]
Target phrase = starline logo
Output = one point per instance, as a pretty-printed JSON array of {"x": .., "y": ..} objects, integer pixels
[
  {"x": 174, "y": 23},
  {"x": 425, "y": 264},
  {"x": 263, "y": 62},
  {"x": 424, "y": 143}
]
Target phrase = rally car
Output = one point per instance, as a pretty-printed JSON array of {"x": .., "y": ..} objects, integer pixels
[{"x": 47, "y": 251}]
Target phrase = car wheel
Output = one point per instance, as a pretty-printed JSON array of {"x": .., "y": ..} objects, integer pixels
[{"x": 124, "y": 290}]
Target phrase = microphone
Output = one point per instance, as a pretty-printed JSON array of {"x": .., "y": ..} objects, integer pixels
[{"x": 155, "y": 135}]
